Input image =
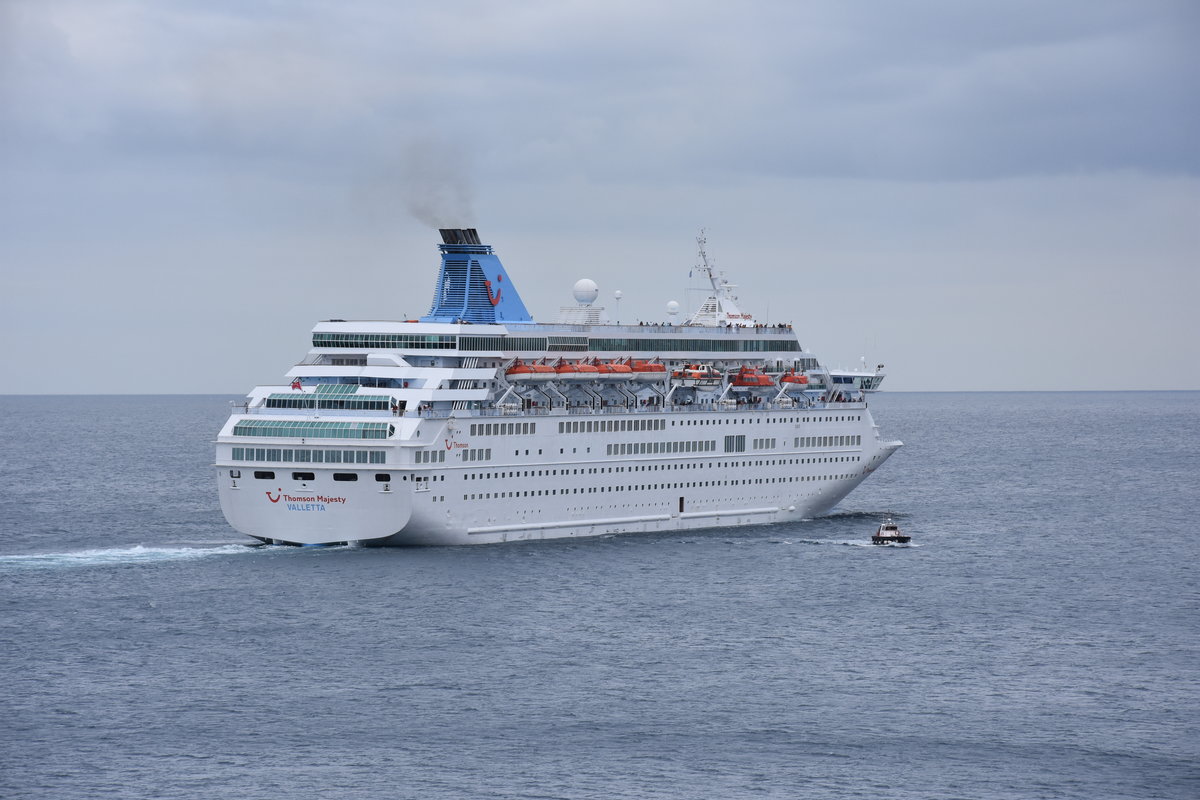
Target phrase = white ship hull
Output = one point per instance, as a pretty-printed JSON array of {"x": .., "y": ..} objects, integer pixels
[
  {"x": 586, "y": 493},
  {"x": 415, "y": 433}
]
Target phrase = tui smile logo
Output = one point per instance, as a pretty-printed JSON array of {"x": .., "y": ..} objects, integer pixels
[
  {"x": 305, "y": 502},
  {"x": 488, "y": 285}
]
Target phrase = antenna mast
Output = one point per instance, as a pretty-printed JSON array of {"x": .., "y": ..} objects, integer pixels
[{"x": 704, "y": 267}]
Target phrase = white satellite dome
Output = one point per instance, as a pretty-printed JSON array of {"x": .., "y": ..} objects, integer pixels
[
  {"x": 672, "y": 308},
  {"x": 586, "y": 291}
]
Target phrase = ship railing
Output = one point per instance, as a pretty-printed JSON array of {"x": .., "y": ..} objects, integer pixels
[
  {"x": 706, "y": 407},
  {"x": 366, "y": 413},
  {"x": 720, "y": 330}
]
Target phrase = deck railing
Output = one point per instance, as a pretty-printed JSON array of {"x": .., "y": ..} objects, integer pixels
[{"x": 547, "y": 410}]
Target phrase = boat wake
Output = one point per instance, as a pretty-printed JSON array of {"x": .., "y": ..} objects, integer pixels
[
  {"x": 856, "y": 515},
  {"x": 844, "y": 542},
  {"x": 137, "y": 554}
]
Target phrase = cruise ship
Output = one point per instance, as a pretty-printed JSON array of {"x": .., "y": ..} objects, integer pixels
[{"x": 477, "y": 425}]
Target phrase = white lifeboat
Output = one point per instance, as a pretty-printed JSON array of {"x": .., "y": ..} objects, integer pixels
[{"x": 698, "y": 375}]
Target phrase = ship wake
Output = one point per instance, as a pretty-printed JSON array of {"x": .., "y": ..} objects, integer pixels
[{"x": 115, "y": 556}]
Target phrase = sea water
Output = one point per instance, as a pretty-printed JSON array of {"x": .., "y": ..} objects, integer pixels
[{"x": 1038, "y": 639}]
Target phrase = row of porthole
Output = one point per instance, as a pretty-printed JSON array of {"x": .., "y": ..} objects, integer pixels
[
  {"x": 268, "y": 475},
  {"x": 650, "y": 487}
]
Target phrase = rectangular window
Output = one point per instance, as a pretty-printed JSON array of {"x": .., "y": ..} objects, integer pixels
[
  {"x": 264, "y": 476},
  {"x": 377, "y": 457},
  {"x": 345, "y": 476},
  {"x": 303, "y": 476}
]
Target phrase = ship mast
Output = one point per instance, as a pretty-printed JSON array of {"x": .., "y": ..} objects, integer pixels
[
  {"x": 704, "y": 267},
  {"x": 721, "y": 306}
]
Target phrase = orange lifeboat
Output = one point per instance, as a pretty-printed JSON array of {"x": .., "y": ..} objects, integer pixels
[
  {"x": 792, "y": 380},
  {"x": 587, "y": 372},
  {"x": 751, "y": 378},
  {"x": 612, "y": 371},
  {"x": 648, "y": 371},
  {"x": 542, "y": 372},
  {"x": 521, "y": 372},
  {"x": 566, "y": 371}
]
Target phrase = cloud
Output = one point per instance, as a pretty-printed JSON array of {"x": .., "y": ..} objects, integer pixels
[
  {"x": 933, "y": 91},
  {"x": 932, "y": 154}
]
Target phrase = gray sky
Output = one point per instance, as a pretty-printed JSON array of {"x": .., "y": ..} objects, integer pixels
[{"x": 982, "y": 196}]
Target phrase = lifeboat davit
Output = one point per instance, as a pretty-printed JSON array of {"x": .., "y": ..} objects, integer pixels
[
  {"x": 751, "y": 378},
  {"x": 648, "y": 371},
  {"x": 696, "y": 375}
]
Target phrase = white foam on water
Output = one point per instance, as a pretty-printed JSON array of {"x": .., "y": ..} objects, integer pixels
[
  {"x": 116, "y": 555},
  {"x": 850, "y": 543}
]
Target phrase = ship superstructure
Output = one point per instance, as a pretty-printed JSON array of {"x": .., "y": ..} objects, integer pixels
[{"x": 475, "y": 424}]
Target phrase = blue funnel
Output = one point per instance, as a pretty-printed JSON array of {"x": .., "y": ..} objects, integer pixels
[{"x": 472, "y": 285}]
